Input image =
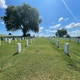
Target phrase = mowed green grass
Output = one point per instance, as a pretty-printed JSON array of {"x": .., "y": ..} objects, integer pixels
[
  {"x": 2, "y": 35},
  {"x": 41, "y": 60}
]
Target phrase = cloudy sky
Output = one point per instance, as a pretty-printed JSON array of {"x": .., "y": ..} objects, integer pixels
[{"x": 55, "y": 14}]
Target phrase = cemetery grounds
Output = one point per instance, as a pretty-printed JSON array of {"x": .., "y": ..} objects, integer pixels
[{"x": 41, "y": 60}]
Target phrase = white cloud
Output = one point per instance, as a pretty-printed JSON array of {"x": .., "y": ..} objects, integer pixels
[
  {"x": 45, "y": 35},
  {"x": 2, "y": 22},
  {"x": 66, "y": 19},
  {"x": 60, "y": 28},
  {"x": 46, "y": 30},
  {"x": 53, "y": 31},
  {"x": 60, "y": 19},
  {"x": 33, "y": 33},
  {"x": 68, "y": 32},
  {"x": 73, "y": 25},
  {"x": 41, "y": 34},
  {"x": 42, "y": 16},
  {"x": 40, "y": 29},
  {"x": 3, "y": 4},
  {"x": 74, "y": 33},
  {"x": 50, "y": 31},
  {"x": 55, "y": 26},
  {"x": 69, "y": 10}
]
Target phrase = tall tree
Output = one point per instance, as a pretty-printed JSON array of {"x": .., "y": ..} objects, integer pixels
[
  {"x": 61, "y": 32},
  {"x": 22, "y": 17}
]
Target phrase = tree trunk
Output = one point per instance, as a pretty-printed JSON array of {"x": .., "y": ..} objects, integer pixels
[{"x": 24, "y": 32}]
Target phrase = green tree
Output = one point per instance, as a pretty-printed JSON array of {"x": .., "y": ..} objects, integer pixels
[
  {"x": 22, "y": 17},
  {"x": 68, "y": 36},
  {"x": 61, "y": 32},
  {"x": 9, "y": 34}
]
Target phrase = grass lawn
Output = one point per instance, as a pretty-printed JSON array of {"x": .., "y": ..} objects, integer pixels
[
  {"x": 2, "y": 35},
  {"x": 41, "y": 60}
]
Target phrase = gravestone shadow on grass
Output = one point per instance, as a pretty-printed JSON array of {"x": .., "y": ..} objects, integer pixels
[
  {"x": 25, "y": 46},
  {"x": 60, "y": 50},
  {"x": 68, "y": 55},
  {"x": 15, "y": 53}
]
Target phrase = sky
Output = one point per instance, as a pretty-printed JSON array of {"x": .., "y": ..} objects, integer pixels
[{"x": 55, "y": 15}]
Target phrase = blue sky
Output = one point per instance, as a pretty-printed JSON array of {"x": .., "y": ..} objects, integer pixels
[{"x": 55, "y": 14}]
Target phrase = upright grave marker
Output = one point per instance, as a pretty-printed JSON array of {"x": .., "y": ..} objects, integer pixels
[
  {"x": 30, "y": 41},
  {"x": 5, "y": 39},
  {"x": 57, "y": 43},
  {"x": 26, "y": 42},
  {"x": 69, "y": 39},
  {"x": 23, "y": 38},
  {"x": 15, "y": 39},
  {"x": 77, "y": 41},
  {"x": 66, "y": 48},
  {"x": 20, "y": 39},
  {"x": 9, "y": 40},
  {"x": 50, "y": 38},
  {"x": 18, "y": 47},
  {"x": 53, "y": 40},
  {"x": 33, "y": 39},
  {"x": 64, "y": 38}
]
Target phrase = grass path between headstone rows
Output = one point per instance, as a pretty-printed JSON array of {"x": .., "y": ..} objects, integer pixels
[{"x": 41, "y": 60}]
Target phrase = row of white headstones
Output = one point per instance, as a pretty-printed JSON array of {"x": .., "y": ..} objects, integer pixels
[
  {"x": 18, "y": 44},
  {"x": 66, "y": 45}
]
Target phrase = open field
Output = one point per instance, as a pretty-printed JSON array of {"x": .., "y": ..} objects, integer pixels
[
  {"x": 41, "y": 60},
  {"x": 3, "y": 34}
]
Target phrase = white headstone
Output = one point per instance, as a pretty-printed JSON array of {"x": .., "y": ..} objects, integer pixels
[
  {"x": 26, "y": 42},
  {"x": 5, "y": 39},
  {"x": 15, "y": 39},
  {"x": 77, "y": 41},
  {"x": 20, "y": 39},
  {"x": 30, "y": 41},
  {"x": 23, "y": 38},
  {"x": 57, "y": 43},
  {"x": 66, "y": 48},
  {"x": 69, "y": 39},
  {"x": 9, "y": 40},
  {"x": 18, "y": 47},
  {"x": 64, "y": 38},
  {"x": 33, "y": 39},
  {"x": 52, "y": 40}
]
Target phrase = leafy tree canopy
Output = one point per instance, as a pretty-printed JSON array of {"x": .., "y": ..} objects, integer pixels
[
  {"x": 22, "y": 17},
  {"x": 9, "y": 34},
  {"x": 61, "y": 33}
]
